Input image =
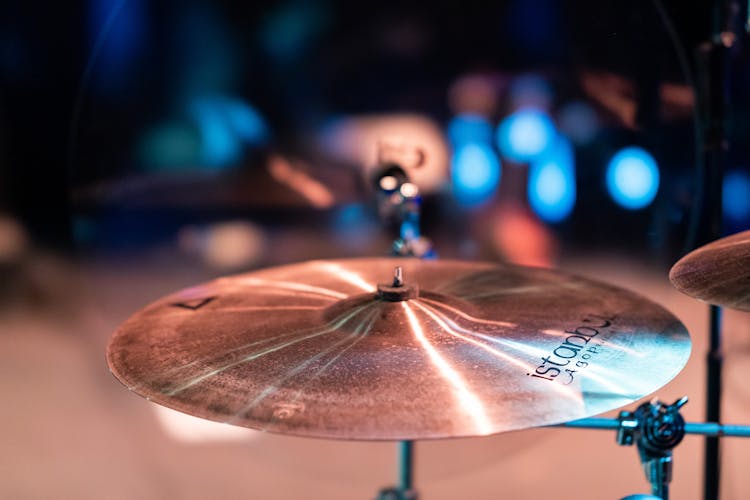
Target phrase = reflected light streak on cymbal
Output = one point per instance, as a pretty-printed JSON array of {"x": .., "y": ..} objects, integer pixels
[
  {"x": 270, "y": 350},
  {"x": 256, "y": 343},
  {"x": 322, "y": 369},
  {"x": 289, "y": 285},
  {"x": 442, "y": 324},
  {"x": 242, "y": 309},
  {"x": 473, "y": 319},
  {"x": 507, "y": 291},
  {"x": 468, "y": 401},
  {"x": 620, "y": 389},
  {"x": 558, "y": 333},
  {"x": 348, "y": 276},
  {"x": 617, "y": 390},
  {"x": 566, "y": 391},
  {"x": 274, "y": 387}
]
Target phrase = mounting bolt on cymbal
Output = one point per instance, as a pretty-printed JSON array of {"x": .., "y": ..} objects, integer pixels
[
  {"x": 398, "y": 277},
  {"x": 397, "y": 291}
]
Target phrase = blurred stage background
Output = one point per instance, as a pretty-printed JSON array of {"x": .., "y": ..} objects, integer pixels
[{"x": 147, "y": 146}]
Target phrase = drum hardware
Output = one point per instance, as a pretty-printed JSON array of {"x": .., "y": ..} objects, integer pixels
[
  {"x": 656, "y": 429},
  {"x": 712, "y": 112},
  {"x": 400, "y": 203},
  {"x": 405, "y": 489}
]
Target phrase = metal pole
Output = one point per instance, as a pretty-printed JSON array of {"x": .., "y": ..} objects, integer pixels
[
  {"x": 700, "y": 428},
  {"x": 714, "y": 362},
  {"x": 406, "y": 465},
  {"x": 713, "y": 60}
]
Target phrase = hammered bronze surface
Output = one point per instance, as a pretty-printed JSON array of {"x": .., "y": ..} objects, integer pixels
[
  {"x": 717, "y": 273},
  {"x": 311, "y": 349}
]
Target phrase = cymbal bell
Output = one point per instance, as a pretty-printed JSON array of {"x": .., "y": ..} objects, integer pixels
[
  {"x": 341, "y": 349},
  {"x": 717, "y": 273}
]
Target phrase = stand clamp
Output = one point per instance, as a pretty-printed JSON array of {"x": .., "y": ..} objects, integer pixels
[{"x": 655, "y": 428}]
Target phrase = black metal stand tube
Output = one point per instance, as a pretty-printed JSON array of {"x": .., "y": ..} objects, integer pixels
[
  {"x": 714, "y": 362},
  {"x": 406, "y": 465},
  {"x": 713, "y": 60}
]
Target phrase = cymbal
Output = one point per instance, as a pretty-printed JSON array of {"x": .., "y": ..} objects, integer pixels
[
  {"x": 459, "y": 349},
  {"x": 717, "y": 273}
]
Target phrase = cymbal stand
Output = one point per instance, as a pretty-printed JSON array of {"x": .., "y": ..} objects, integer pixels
[
  {"x": 405, "y": 489},
  {"x": 400, "y": 199},
  {"x": 712, "y": 92},
  {"x": 656, "y": 428}
]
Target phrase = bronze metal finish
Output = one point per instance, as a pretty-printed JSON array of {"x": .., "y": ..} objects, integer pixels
[
  {"x": 717, "y": 273},
  {"x": 311, "y": 349}
]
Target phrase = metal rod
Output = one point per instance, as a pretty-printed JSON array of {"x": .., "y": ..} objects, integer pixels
[
  {"x": 714, "y": 362},
  {"x": 406, "y": 465},
  {"x": 661, "y": 491},
  {"x": 713, "y": 96},
  {"x": 701, "y": 428}
]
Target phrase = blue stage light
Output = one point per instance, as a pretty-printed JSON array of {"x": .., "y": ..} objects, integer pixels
[
  {"x": 475, "y": 173},
  {"x": 633, "y": 178},
  {"x": 224, "y": 125},
  {"x": 736, "y": 196},
  {"x": 525, "y": 134},
  {"x": 552, "y": 183},
  {"x": 219, "y": 144},
  {"x": 467, "y": 128},
  {"x": 246, "y": 122}
]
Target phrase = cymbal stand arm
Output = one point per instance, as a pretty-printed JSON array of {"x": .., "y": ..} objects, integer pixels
[
  {"x": 699, "y": 428},
  {"x": 655, "y": 428}
]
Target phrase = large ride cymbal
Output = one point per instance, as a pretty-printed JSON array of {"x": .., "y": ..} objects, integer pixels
[
  {"x": 461, "y": 349},
  {"x": 717, "y": 273}
]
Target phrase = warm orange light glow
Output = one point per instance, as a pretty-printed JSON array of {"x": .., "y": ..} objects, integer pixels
[
  {"x": 522, "y": 238},
  {"x": 312, "y": 190}
]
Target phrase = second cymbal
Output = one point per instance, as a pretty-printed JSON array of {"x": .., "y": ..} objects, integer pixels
[{"x": 717, "y": 273}]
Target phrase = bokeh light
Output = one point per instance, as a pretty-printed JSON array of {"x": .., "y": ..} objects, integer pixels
[
  {"x": 467, "y": 128},
  {"x": 475, "y": 174},
  {"x": 633, "y": 178},
  {"x": 552, "y": 183},
  {"x": 736, "y": 196},
  {"x": 525, "y": 134},
  {"x": 224, "y": 125}
]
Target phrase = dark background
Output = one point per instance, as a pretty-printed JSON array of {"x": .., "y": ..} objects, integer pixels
[{"x": 82, "y": 82}]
